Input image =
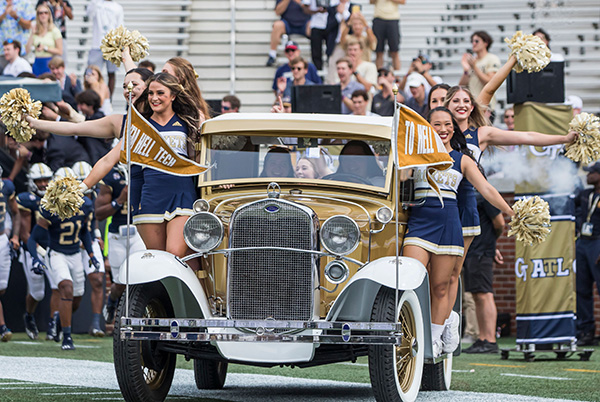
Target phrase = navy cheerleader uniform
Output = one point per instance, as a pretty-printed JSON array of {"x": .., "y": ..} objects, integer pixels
[
  {"x": 431, "y": 226},
  {"x": 164, "y": 196},
  {"x": 467, "y": 203}
]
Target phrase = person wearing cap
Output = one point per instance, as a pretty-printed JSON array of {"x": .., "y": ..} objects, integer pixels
[
  {"x": 293, "y": 21},
  {"x": 576, "y": 104},
  {"x": 416, "y": 84},
  {"x": 480, "y": 66},
  {"x": 292, "y": 50},
  {"x": 16, "y": 64},
  {"x": 383, "y": 101},
  {"x": 587, "y": 251}
]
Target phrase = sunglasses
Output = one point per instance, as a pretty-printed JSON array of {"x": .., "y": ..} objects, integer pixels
[
  {"x": 225, "y": 107},
  {"x": 297, "y": 68},
  {"x": 382, "y": 73},
  {"x": 475, "y": 41},
  {"x": 290, "y": 50},
  {"x": 43, "y": 12}
]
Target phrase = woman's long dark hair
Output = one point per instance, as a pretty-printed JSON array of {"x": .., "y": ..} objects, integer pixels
[
  {"x": 433, "y": 88},
  {"x": 183, "y": 104},
  {"x": 458, "y": 142}
]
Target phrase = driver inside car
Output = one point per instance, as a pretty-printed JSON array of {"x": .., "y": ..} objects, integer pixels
[{"x": 358, "y": 160}]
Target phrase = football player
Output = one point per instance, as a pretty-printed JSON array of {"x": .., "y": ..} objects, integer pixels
[
  {"x": 112, "y": 201},
  {"x": 63, "y": 238},
  {"x": 29, "y": 205},
  {"x": 82, "y": 169}
]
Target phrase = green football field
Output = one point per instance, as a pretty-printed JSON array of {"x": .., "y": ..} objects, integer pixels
[{"x": 545, "y": 377}]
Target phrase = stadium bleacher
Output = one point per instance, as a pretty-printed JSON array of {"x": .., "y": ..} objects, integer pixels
[{"x": 201, "y": 30}]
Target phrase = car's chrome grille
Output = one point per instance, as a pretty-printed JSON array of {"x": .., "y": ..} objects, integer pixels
[{"x": 274, "y": 284}]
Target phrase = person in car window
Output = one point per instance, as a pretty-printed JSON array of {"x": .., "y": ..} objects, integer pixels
[
  {"x": 278, "y": 164},
  {"x": 357, "y": 159}
]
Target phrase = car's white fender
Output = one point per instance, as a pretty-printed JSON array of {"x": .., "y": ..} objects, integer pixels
[
  {"x": 185, "y": 291},
  {"x": 355, "y": 302}
]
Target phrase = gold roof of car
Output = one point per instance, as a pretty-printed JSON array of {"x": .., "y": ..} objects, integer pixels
[{"x": 299, "y": 124}]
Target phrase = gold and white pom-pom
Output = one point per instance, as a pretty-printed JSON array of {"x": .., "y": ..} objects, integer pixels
[
  {"x": 531, "y": 223},
  {"x": 586, "y": 147},
  {"x": 532, "y": 54},
  {"x": 63, "y": 197},
  {"x": 13, "y": 105},
  {"x": 117, "y": 39}
]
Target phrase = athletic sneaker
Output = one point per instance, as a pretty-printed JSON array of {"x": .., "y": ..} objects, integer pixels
[
  {"x": 31, "y": 328},
  {"x": 270, "y": 61},
  {"x": 51, "y": 333},
  {"x": 5, "y": 334},
  {"x": 67, "y": 343},
  {"x": 109, "y": 310},
  {"x": 96, "y": 331},
  {"x": 482, "y": 346},
  {"x": 437, "y": 347},
  {"x": 451, "y": 336}
]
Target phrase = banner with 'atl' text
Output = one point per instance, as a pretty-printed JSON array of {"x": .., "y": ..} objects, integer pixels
[{"x": 149, "y": 149}]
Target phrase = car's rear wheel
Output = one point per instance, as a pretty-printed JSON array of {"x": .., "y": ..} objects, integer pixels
[
  {"x": 396, "y": 371},
  {"x": 437, "y": 377},
  {"x": 210, "y": 374},
  {"x": 144, "y": 371}
]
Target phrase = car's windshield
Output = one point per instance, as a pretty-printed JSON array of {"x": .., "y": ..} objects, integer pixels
[{"x": 351, "y": 161}]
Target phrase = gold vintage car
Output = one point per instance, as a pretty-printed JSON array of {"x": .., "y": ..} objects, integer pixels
[{"x": 287, "y": 270}]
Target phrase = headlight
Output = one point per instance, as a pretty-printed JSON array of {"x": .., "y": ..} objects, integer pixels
[
  {"x": 384, "y": 215},
  {"x": 340, "y": 235},
  {"x": 336, "y": 272},
  {"x": 203, "y": 232},
  {"x": 200, "y": 205}
]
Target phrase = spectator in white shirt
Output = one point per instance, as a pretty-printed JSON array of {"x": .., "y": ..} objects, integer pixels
[{"x": 16, "y": 64}]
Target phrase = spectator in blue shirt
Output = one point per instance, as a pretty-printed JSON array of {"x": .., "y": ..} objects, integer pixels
[
  {"x": 293, "y": 21},
  {"x": 292, "y": 51}
]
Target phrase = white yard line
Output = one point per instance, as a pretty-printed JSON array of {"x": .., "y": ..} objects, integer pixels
[
  {"x": 539, "y": 377},
  {"x": 238, "y": 387}
]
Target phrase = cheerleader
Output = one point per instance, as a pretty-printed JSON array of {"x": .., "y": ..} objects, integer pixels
[{"x": 435, "y": 233}]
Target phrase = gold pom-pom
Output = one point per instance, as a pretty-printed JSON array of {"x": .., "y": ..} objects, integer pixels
[
  {"x": 63, "y": 197},
  {"x": 531, "y": 223},
  {"x": 115, "y": 40},
  {"x": 532, "y": 54},
  {"x": 586, "y": 147},
  {"x": 13, "y": 105}
]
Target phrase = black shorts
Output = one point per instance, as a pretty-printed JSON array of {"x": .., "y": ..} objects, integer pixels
[
  {"x": 387, "y": 30},
  {"x": 478, "y": 274}
]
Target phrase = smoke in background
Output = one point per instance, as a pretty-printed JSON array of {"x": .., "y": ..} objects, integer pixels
[{"x": 543, "y": 168}]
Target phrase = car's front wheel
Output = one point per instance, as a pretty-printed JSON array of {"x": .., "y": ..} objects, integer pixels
[
  {"x": 210, "y": 374},
  {"x": 144, "y": 371},
  {"x": 396, "y": 371}
]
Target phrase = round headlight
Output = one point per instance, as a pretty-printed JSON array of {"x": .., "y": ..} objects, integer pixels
[
  {"x": 200, "y": 205},
  {"x": 384, "y": 215},
  {"x": 340, "y": 235},
  {"x": 336, "y": 272},
  {"x": 203, "y": 232}
]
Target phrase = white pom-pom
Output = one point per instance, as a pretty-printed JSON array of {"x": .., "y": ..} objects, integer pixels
[
  {"x": 586, "y": 147},
  {"x": 531, "y": 53},
  {"x": 531, "y": 223}
]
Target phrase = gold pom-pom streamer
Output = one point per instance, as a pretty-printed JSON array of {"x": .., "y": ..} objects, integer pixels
[
  {"x": 115, "y": 40},
  {"x": 532, "y": 54},
  {"x": 13, "y": 105},
  {"x": 586, "y": 147},
  {"x": 531, "y": 223},
  {"x": 63, "y": 197}
]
